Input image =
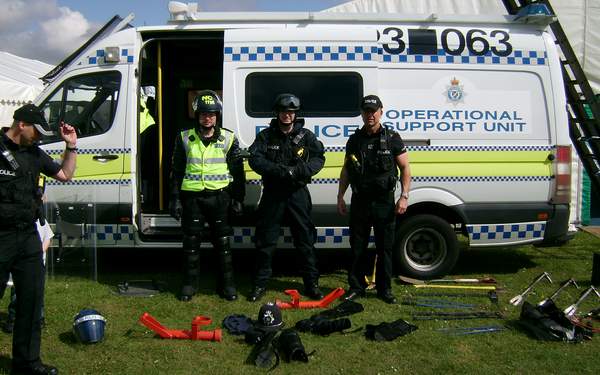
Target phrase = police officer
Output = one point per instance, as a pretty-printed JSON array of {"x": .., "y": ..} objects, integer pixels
[
  {"x": 207, "y": 176},
  {"x": 21, "y": 162},
  {"x": 286, "y": 155},
  {"x": 373, "y": 156}
]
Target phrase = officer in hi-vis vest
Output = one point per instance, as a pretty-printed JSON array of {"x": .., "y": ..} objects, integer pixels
[{"x": 207, "y": 177}]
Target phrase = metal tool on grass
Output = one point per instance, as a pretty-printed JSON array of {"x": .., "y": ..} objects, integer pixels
[
  {"x": 571, "y": 310},
  {"x": 371, "y": 283},
  {"x": 518, "y": 299},
  {"x": 484, "y": 280},
  {"x": 471, "y": 330},
  {"x": 441, "y": 286},
  {"x": 456, "y": 315},
  {"x": 437, "y": 304},
  {"x": 491, "y": 295},
  {"x": 563, "y": 286}
]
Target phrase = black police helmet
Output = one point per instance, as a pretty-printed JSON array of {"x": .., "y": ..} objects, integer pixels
[
  {"x": 269, "y": 317},
  {"x": 286, "y": 102},
  {"x": 207, "y": 101}
]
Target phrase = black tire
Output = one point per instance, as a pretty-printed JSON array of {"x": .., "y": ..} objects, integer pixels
[{"x": 425, "y": 247}]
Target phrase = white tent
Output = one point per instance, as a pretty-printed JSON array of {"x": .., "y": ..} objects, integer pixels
[
  {"x": 19, "y": 83},
  {"x": 579, "y": 19}
]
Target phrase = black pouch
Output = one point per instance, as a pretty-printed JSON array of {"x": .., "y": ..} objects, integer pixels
[
  {"x": 389, "y": 331},
  {"x": 291, "y": 347}
]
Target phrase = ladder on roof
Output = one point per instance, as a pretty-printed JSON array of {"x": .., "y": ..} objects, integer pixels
[{"x": 582, "y": 106}]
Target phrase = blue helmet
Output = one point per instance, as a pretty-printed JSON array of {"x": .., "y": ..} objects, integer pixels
[{"x": 88, "y": 326}]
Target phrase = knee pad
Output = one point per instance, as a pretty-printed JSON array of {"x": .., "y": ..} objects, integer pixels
[{"x": 191, "y": 242}]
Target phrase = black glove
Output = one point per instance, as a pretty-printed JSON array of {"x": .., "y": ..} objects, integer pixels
[
  {"x": 237, "y": 208},
  {"x": 175, "y": 208}
]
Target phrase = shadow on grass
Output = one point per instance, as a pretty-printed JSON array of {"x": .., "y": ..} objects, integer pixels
[
  {"x": 492, "y": 261},
  {"x": 68, "y": 338}
]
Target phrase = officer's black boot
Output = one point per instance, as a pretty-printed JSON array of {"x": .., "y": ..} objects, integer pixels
[
  {"x": 191, "y": 257},
  {"x": 225, "y": 281},
  {"x": 312, "y": 291}
]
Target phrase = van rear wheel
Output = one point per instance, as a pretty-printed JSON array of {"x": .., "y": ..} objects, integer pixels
[{"x": 425, "y": 247}]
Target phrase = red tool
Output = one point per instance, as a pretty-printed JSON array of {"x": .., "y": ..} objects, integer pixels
[
  {"x": 297, "y": 304},
  {"x": 194, "y": 334}
]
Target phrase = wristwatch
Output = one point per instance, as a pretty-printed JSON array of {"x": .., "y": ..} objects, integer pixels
[{"x": 404, "y": 195}]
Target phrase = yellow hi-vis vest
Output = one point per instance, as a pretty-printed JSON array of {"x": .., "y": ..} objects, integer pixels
[
  {"x": 206, "y": 165},
  {"x": 146, "y": 119}
]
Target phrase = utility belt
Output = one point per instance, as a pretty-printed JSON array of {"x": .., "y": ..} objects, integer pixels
[{"x": 208, "y": 192}]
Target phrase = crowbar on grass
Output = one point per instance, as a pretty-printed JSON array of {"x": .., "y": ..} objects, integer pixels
[
  {"x": 558, "y": 291},
  {"x": 484, "y": 280},
  {"x": 571, "y": 310},
  {"x": 471, "y": 330},
  {"x": 477, "y": 287}
]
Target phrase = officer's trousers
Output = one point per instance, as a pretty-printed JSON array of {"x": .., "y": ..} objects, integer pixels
[
  {"x": 210, "y": 207},
  {"x": 368, "y": 211},
  {"x": 21, "y": 255},
  {"x": 296, "y": 207}
]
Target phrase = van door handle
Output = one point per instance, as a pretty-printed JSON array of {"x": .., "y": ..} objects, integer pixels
[{"x": 105, "y": 158}]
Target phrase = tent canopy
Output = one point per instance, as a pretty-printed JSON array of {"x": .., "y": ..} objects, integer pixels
[{"x": 19, "y": 83}]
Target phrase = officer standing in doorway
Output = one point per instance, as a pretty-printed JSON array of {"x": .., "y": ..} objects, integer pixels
[
  {"x": 207, "y": 176},
  {"x": 21, "y": 162},
  {"x": 286, "y": 155},
  {"x": 373, "y": 156}
]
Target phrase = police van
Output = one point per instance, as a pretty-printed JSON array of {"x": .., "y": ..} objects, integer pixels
[{"x": 479, "y": 101}]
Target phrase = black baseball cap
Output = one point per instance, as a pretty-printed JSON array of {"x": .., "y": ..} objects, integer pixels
[
  {"x": 370, "y": 103},
  {"x": 31, "y": 114}
]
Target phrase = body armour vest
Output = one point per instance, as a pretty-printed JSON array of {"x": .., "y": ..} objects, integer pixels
[{"x": 206, "y": 166}]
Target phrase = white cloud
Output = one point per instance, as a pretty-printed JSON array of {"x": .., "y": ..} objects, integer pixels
[
  {"x": 228, "y": 5},
  {"x": 42, "y": 30}
]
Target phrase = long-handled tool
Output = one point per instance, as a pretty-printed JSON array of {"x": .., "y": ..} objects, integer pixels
[
  {"x": 471, "y": 330},
  {"x": 484, "y": 280},
  {"x": 571, "y": 310},
  {"x": 491, "y": 295},
  {"x": 437, "y": 304},
  {"x": 558, "y": 291},
  {"x": 518, "y": 299},
  {"x": 371, "y": 283},
  {"x": 441, "y": 286}
]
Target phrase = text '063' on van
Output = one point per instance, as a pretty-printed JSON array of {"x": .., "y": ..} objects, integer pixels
[{"x": 478, "y": 105}]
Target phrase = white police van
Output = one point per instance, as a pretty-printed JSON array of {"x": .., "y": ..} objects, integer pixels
[{"x": 479, "y": 102}]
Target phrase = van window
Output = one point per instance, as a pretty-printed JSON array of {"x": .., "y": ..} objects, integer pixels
[
  {"x": 322, "y": 94},
  {"x": 87, "y": 102}
]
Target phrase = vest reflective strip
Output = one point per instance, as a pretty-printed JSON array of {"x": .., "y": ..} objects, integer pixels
[
  {"x": 207, "y": 160},
  {"x": 217, "y": 177}
]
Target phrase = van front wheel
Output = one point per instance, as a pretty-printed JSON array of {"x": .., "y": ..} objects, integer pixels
[{"x": 425, "y": 247}]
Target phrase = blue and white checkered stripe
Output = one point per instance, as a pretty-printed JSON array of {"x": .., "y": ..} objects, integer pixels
[
  {"x": 85, "y": 182},
  {"x": 372, "y": 53},
  {"x": 459, "y": 148},
  {"x": 515, "y": 58},
  {"x": 489, "y": 234},
  {"x": 106, "y": 234},
  {"x": 326, "y": 237},
  {"x": 95, "y": 151},
  {"x": 454, "y": 179},
  {"x": 97, "y": 58},
  {"x": 301, "y": 53}
]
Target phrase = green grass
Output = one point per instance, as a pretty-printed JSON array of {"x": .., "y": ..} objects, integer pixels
[{"x": 129, "y": 348}]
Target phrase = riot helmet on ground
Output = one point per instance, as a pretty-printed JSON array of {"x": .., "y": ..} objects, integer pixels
[
  {"x": 286, "y": 102},
  {"x": 88, "y": 326}
]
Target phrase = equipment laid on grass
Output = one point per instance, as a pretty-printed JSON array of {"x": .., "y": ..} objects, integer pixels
[
  {"x": 571, "y": 310},
  {"x": 548, "y": 323},
  {"x": 437, "y": 304},
  {"x": 141, "y": 288},
  {"x": 291, "y": 346},
  {"x": 440, "y": 286},
  {"x": 389, "y": 331},
  {"x": 327, "y": 322},
  {"x": 492, "y": 295},
  {"x": 237, "y": 324},
  {"x": 295, "y": 303},
  {"x": 194, "y": 334},
  {"x": 471, "y": 330},
  {"x": 457, "y": 315},
  {"x": 518, "y": 299},
  {"x": 88, "y": 326},
  {"x": 484, "y": 280},
  {"x": 558, "y": 291}
]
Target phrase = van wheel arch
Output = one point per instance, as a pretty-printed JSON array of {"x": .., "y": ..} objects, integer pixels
[{"x": 425, "y": 246}]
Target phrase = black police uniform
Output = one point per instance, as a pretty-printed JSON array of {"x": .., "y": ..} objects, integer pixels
[
  {"x": 20, "y": 245},
  {"x": 211, "y": 206},
  {"x": 373, "y": 177},
  {"x": 286, "y": 163}
]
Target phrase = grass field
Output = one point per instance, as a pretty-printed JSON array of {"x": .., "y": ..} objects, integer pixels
[{"x": 129, "y": 348}]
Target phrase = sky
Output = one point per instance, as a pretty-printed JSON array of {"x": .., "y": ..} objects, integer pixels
[{"x": 49, "y": 30}]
